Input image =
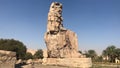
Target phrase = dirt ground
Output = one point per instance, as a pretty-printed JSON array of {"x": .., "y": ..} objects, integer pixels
[
  {"x": 40, "y": 66},
  {"x": 48, "y": 66}
]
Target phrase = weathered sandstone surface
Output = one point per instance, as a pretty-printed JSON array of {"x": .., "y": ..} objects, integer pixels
[
  {"x": 62, "y": 43},
  {"x": 7, "y": 59}
]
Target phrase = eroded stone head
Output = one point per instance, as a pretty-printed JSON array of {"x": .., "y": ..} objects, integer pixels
[
  {"x": 56, "y": 6},
  {"x": 55, "y": 17}
]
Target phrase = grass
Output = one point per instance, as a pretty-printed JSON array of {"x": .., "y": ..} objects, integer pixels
[{"x": 105, "y": 65}]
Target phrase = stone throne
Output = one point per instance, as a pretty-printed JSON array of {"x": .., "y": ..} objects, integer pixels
[{"x": 61, "y": 43}]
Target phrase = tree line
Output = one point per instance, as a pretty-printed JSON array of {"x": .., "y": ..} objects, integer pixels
[
  {"x": 108, "y": 55},
  {"x": 19, "y": 48}
]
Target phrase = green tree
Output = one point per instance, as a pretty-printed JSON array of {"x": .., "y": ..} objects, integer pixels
[
  {"x": 110, "y": 51},
  {"x": 13, "y": 45},
  {"x": 92, "y": 54},
  {"x": 80, "y": 52},
  {"x": 38, "y": 54},
  {"x": 117, "y": 52},
  {"x": 28, "y": 56},
  {"x": 99, "y": 59}
]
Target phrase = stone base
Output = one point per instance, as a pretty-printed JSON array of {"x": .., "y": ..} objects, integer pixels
[
  {"x": 7, "y": 59},
  {"x": 70, "y": 62},
  {"x": 7, "y": 65}
]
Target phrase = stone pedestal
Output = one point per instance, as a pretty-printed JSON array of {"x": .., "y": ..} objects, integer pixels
[{"x": 70, "y": 62}]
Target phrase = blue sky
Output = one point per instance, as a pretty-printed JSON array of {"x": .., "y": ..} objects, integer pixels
[{"x": 96, "y": 22}]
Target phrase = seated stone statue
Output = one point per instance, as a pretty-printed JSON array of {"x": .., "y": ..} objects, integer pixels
[{"x": 60, "y": 42}]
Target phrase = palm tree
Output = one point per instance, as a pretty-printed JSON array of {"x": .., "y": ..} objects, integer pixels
[
  {"x": 110, "y": 52},
  {"x": 117, "y": 52}
]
